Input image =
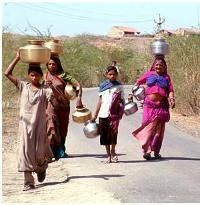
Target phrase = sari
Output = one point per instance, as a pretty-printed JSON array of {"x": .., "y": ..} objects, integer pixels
[
  {"x": 58, "y": 110},
  {"x": 155, "y": 113}
]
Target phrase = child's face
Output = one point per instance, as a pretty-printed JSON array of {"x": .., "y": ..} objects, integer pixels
[
  {"x": 160, "y": 67},
  {"x": 111, "y": 75},
  {"x": 52, "y": 66},
  {"x": 34, "y": 77}
]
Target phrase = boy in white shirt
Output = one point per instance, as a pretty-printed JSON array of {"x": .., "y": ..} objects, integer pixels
[{"x": 109, "y": 109}]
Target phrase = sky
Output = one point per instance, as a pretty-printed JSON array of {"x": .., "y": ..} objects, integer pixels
[{"x": 97, "y": 17}]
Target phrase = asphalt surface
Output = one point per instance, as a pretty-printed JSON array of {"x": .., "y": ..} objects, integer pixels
[
  {"x": 175, "y": 178},
  {"x": 84, "y": 177}
]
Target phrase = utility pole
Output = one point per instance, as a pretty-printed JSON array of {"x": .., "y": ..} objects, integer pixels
[{"x": 159, "y": 23}]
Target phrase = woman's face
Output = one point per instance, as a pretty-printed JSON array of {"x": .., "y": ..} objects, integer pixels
[
  {"x": 52, "y": 66},
  {"x": 160, "y": 67},
  {"x": 111, "y": 75}
]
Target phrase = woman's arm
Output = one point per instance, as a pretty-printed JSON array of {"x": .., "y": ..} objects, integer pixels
[
  {"x": 142, "y": 79},
  {"x": 8, "y": 72}
]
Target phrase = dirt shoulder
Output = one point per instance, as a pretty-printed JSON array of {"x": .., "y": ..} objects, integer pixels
[{"x": 188, "y": 124}]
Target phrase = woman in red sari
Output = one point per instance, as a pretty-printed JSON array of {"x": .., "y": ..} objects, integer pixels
[{"x": 58, "y": 108}]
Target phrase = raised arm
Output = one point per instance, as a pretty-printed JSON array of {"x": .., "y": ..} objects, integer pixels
[{"x": 8, "y": 71}]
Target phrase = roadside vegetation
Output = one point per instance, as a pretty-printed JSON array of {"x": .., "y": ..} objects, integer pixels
[{"x": 86, "y": 61}]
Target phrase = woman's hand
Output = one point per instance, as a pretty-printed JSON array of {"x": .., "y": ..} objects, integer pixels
[
  {"x": 172, "y": 102},
  {"x": 48, "y": 83},
  {"x": 79, "y": 103}
]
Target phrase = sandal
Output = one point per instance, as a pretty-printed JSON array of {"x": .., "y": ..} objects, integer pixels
[
  {"x": 28, "y": 187},
  {"x": 114, "y": 159},
  {"x": 157, "y": 156},
  {"x": 147, "y": 156},
  {"x": 41, "y": 176},
  {"x": 107, "y": 161}
]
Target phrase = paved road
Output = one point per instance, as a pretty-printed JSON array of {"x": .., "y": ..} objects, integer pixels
[
  {"x": 174, "y": 179},
  {"x": 83, "y": 177}
]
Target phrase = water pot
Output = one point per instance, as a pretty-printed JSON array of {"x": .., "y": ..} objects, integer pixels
[
  {"x": 138, "y": 92},
  {"x": 159, "y": 47},
  {"x": 130, "y": 108},
  {"x": 34, "y": 52},
  {"x": 91, "y": 129},
  {"x": 70, "y": 92},
  {"x": 81, "y": 115},
  {"x": 55, "y": 46}
]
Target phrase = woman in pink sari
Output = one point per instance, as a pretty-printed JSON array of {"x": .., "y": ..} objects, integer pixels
[
  {"x": 159, "y": 96},
  {"x": 58, "y": 108}
]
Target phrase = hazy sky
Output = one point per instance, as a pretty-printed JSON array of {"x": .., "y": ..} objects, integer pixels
[{"x": 96, "y": 17}]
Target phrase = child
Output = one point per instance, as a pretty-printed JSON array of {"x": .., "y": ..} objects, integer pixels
[
  {"x": 110, "y": 108},
  {"x": 159, "y": 95},
  {"x": 33, "y": 148}
]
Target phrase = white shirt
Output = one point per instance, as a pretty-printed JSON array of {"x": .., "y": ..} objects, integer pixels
[{"x": 106, "y": 100}]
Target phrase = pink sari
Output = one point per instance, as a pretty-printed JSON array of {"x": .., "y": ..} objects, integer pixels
[{"x": 151, "y": 133}]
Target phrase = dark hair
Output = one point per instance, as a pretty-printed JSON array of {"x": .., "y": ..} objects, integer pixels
[
  {"x": 109, "y": 68},
  {"x": 58, "y": 62},
  {"x": 35, "y": 68}
]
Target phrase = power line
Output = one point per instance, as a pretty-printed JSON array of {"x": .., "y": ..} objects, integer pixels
[{"x": 76, "y": 17}]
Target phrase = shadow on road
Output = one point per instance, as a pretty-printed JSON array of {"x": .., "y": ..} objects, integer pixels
[
  {"x": 180, "y": 158},
  {"x": 159, "y": 160},
  {"x": 90, "y": 155},
  {"x": 105, "y": 177}
]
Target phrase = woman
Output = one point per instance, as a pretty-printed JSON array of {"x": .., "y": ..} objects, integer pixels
[
  {"x": 58, "y": 108},
  {"x": 159, "y": 94}
]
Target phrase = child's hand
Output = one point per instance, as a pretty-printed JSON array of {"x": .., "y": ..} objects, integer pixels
[
  {"x": 130, "y": 97},
  {"x": 93, "y": 118}
]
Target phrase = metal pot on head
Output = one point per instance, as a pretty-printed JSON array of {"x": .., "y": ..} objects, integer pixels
[
  {"x": 34, "y": 52},
  {"x": 81, "y": 115},
  {"x": 138, "y": 92},
  {"x": 130, "y": 108},
  {"x": 91, "y": 129},
  {"x": 159, "y": 47},
  {"x": 55, "y": 46}
]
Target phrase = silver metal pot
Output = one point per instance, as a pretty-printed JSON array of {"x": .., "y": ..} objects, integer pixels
[
  {"x": 130, "y": 107},
  {"x": 138, "y": 92},
  {"x": 91, "y": 129},
  {"x": 159, "y": 47}
]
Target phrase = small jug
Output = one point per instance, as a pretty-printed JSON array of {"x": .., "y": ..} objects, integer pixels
[{"x": 81, "y": 115}]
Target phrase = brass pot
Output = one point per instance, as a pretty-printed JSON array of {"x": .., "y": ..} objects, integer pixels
[
  {"x": 55, "y": 47},
  {"x": 70, "y": 92},
  {"x": 81, "y": 115},
  {"x": 34, "y": 52}
]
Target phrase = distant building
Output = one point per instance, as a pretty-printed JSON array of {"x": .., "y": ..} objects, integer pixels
[
  {"x": 122, "y": 31},
  {"x": 187, "y": 31},
  {"x": 167, "y": 32}
]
